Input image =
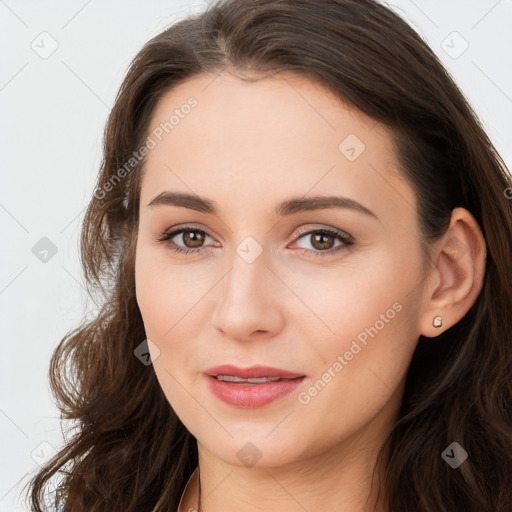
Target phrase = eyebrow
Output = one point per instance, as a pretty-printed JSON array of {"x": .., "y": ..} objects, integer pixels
[{"x": 287, "y": 207}]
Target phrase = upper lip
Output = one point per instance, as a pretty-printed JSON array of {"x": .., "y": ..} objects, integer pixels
[{"x": 251, "y": 372}]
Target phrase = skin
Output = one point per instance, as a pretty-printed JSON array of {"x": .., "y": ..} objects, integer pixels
[{"x": 247, "y": 147}]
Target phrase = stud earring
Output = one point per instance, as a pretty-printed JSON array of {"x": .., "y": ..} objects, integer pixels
[{"x": 437, "y": 322}]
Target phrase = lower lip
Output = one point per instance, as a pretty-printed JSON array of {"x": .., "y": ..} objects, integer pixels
[{"x": 250, "y": 396}]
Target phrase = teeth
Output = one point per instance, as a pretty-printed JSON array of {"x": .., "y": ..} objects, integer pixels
[{"x": 252, "y": 380}]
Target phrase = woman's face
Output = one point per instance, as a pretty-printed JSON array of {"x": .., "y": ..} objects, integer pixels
[{"x": 261, "y": 283}]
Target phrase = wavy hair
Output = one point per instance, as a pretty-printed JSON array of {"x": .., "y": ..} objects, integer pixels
[{"x": 130, "y": 451}]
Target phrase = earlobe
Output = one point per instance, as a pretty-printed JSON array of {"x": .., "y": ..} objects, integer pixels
[{"x": 457, "y": 278}]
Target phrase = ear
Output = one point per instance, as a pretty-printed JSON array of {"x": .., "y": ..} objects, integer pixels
[{"x": 456, "y": 279}]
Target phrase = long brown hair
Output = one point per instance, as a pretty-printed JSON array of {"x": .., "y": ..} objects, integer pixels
[{"x": 130, "y": 451}]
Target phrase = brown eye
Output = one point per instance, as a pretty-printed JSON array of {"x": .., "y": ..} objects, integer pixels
[
  {"x": 187, "y": 239},
  {"x": 193, "y": 239},
  {"x": 322, "y": 241}
]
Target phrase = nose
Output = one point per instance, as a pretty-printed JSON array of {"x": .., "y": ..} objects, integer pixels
[{"x": 250, "y": 301}]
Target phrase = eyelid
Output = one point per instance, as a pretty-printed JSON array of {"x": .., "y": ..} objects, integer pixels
[
  {"x": 167, "y": 234},
  {"x": 313, "y": 229}
]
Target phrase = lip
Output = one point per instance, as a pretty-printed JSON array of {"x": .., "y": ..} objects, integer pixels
[
  {"x": 249, "y": 396},
  {"x": 251, "y": 372}
]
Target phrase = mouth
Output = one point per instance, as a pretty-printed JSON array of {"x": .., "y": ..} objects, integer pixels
[
  {"x": 251, "y": 387},
  {"x": 253, "y": 374}
]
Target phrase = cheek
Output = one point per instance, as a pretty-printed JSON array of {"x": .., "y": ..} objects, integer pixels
[
  {"x": 337, "y": 305},
  {"x": 164, "y": 296},
  {"x": 365, "y": 314},
  {"x": 166, "y": 293}
]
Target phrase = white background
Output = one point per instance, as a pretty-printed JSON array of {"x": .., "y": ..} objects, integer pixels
[{"x": 53, "y": 113}]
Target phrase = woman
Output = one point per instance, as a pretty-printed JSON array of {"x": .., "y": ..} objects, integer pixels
[{"x": 303, "y": 238}]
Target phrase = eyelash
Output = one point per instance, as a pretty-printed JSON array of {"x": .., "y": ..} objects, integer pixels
[{"x": 347, "y": 241}]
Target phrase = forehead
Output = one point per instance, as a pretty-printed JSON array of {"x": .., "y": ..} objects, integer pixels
[{"x": 272, "y": 138}]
